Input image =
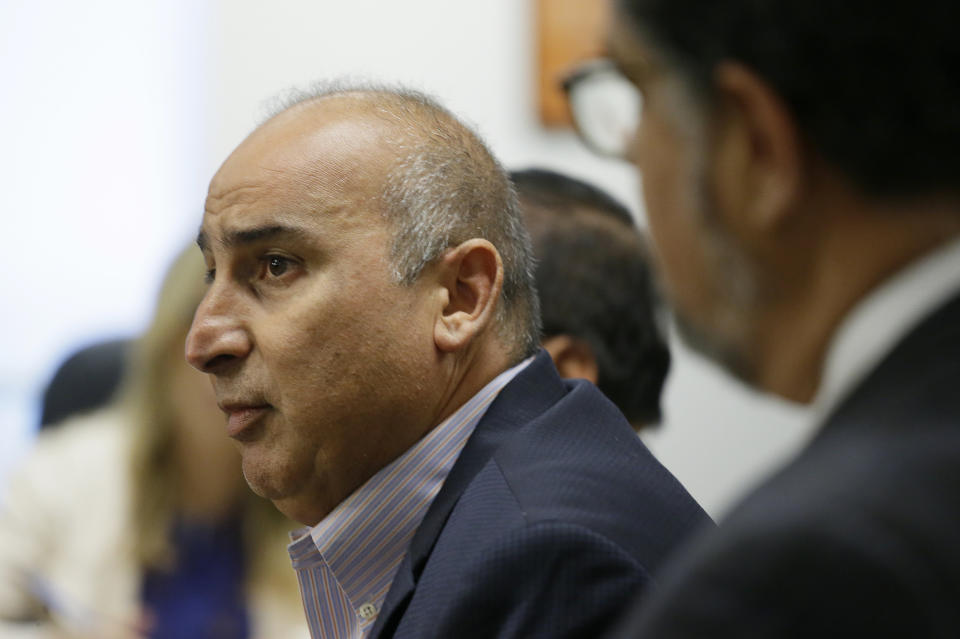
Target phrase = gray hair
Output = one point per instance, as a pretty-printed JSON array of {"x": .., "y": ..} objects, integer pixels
[{"x": 444, "y": 188}]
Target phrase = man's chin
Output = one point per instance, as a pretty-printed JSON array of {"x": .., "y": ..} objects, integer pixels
[
  {"x": 303, "y": 511},
  {"x": 261, "y": 481},
  {"x": 285, "y": 492},
  {"x": 257, "y": 487}
]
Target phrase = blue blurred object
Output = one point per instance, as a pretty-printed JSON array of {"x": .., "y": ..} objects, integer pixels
[{"x": 202, "y": 596}]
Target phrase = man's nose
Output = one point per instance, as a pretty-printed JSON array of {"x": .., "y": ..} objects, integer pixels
[{"x": 217, "y": 338}]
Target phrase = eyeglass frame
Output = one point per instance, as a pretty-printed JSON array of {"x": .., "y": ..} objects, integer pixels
[{"x": 577, "y": 75}]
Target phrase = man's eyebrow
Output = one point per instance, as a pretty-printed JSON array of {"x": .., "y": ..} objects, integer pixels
[{"x": 242, "y": 237}]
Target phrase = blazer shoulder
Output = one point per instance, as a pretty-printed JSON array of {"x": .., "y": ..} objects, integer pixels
[
  {"x": 495, "y": 573},
  {"x": 581, "y": 464},
  {"x": 856, "y": 535},
  {"x": 837, "y": 574}
]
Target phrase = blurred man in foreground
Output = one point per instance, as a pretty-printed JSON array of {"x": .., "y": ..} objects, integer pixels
[
  {"x": 371, "y": 328},
  {"x": 799, "y": 165},
  {"x": 596, "y": 297}
]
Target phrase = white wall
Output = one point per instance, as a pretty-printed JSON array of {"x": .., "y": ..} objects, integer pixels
[
  {"x": 719, "y": 437},
  {"x": 477, "y": 57},
  {"x": 100, "y": 123}
]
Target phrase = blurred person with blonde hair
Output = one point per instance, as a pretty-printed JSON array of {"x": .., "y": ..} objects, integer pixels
[{"x": 135, "y": 520}]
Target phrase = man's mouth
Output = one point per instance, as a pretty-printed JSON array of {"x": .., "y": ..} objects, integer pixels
[{"x": 241, "y": 417}]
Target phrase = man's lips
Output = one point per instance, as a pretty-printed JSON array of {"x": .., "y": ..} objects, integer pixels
[{"x": 240, "y": 417}]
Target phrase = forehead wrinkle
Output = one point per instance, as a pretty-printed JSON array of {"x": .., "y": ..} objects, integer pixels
[
  {"x": 221, "y": 198},
  {"x": 335, "y": 185},
  {"x": 270, "y": 177},
  {"x": 356, "y": 166},
  {"x": 311, "y": 195},
  {"x": 253, "y": 192},
  {"x": 323, "y": 162},
  {"x": 304, "y": 183},
  {"x": 264, "y": 217}
]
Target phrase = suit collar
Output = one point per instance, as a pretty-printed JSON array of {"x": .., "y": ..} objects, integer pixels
[
  {"x": 528, "y": 395},
  {"x": 883, "y": 318},
  {"x": 919, "y": 373}
]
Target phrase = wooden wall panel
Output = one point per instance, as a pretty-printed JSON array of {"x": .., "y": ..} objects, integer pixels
[{"x": 568, "y": 32}]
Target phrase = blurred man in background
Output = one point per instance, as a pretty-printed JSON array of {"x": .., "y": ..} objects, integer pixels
[
  {"x": 799, "y": 164},
  {"x": 596, "y": 298}
]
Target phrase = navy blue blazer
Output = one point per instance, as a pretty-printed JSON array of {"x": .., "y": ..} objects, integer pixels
[
  {"x": 552, "y": 519},
  {"x": 859, "y": 536}
]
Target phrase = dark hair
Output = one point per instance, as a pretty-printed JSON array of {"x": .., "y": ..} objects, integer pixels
[
  {"x": 873, "y": 86},
  {"x": 594, "y": 282},
  {"x": 86, "y": 380}
]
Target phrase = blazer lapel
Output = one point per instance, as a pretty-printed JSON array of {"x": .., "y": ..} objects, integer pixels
[
  {"x": 396, "y": 601},
  {"x": 528, "y": 395},
  {"x": 925, "y": 360}
]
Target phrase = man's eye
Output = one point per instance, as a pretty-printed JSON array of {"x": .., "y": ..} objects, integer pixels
[
  {"x": 277, "y": 265},
  {"x": 277, "y": 270}
]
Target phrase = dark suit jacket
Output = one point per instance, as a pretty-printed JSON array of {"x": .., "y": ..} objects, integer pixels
[
  {"x": 549, "y": 523},
  {"x": 859, "y": 536}
]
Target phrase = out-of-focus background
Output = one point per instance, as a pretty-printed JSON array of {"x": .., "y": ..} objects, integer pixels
[{"x": 115, "y": 115}]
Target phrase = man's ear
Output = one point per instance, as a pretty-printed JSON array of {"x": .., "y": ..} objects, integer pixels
[
  {"x": 572, "y": 357},
  {"x": 471, "y": 275},
  {"x": 759, "y": 155}
]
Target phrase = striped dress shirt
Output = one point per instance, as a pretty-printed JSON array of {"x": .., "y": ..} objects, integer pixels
[{"x": 346, "y": 563}]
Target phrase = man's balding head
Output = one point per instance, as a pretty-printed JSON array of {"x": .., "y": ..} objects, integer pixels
[{"x": 369, "y": 273}]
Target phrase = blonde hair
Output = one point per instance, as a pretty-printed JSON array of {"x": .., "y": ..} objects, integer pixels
[{"x": 145, "y": 401}]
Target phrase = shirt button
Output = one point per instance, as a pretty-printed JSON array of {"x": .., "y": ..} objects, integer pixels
[{"x": 367, "y": 610}]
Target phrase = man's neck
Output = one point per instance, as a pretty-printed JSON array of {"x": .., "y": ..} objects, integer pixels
[
  {"x": 857, "y": 250},
  {"x": 469, "y": 372}
]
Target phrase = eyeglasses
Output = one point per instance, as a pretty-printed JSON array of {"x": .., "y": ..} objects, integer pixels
[{"x": 606, "y": 107}]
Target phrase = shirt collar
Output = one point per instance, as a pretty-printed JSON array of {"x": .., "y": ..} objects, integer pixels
[
  {"x": 882, "y": 319},
  {"x": 363, "y": 540}
]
